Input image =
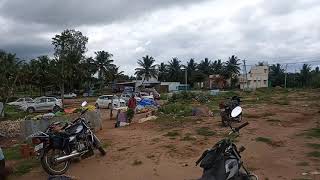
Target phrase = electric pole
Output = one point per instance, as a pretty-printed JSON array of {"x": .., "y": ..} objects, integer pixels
[{"x": 245, "y": 72}]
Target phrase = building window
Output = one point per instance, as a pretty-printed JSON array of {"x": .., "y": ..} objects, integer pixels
[
  {"x": 249, "y": 82},
  {"x": 265, "y": 70},
  {"x": 265, "y": 82},
  {"x": 254, "y": 81},
  {"x": 250, "y": 75}
]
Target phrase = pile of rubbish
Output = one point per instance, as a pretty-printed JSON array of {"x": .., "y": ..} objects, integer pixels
[
  {"x": 146, "y": 105},
  {"x": 10, "y": 128}
]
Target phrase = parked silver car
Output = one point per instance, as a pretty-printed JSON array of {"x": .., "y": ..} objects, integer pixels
[
  {"x": 41, "y": 104},
  {"x": 105, "y": 101},
  {"x": 21, "y": 101}
]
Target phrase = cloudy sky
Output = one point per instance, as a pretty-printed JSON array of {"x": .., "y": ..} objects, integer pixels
[{"x": 270, "y": 30}]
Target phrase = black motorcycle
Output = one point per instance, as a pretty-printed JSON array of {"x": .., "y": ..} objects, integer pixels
[
  {"x": 226, "y": 110},
  {"x": 223, "y": 160},
  {"x": 56, "y": 148}
]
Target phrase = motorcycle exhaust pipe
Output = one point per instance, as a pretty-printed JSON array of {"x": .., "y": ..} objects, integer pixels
[{"x": 67, "y": 157}]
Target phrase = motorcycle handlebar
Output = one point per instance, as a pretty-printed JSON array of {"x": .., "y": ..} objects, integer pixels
[{"x": 242, "y": 126}]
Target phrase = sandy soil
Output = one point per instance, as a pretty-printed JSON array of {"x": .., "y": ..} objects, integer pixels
[{"x": 141, "y": 151}]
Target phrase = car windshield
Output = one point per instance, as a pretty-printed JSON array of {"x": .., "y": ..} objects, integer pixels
[{"x": 20, "y": 100}]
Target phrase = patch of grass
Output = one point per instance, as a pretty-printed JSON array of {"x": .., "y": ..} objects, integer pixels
[
  {"x": 171, "y": 121},
  {"x": 264, "y": 139},
  {"x": 281, "y": 102},
  {"x": 123, "y": 149},
  {"x": 155, "y": 139},
  {"x": 25, "y": 166},
  {"x": 251, "y": 115},
  {"x": 313, "y": 145},
  {"x": 315, "y": 154},
  {"x": 312, "y": 133},
  {"x": 172, "y": 134},
  {"x": 302, "y": 164},
  {"x": 274, "y": 120},
  {"x": 170, "y": 146},
  {"x": 205, "y": 131},
  {"x": 13, "y": 113},
  {"x": 136, "y": 163},
  {"x": 266, "y": 114},
  {"x": 188, "y": 137},
  {"x": 177, "y": 109},
  {"x": 106, "y": 144},
  {"x": 12, "y": 153},
  {"x": 151, "y": 156}
]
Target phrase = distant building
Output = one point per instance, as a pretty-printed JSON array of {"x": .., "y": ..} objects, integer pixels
[
  {"x": 257, "y": 78},
  {"x": 169, "y": 86},
  {"x": 217, "y": 81}
]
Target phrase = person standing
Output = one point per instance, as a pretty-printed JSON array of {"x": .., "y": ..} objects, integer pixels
[
  {"x": 4, "y": 171},
  {"x": 131, "y": 105}
]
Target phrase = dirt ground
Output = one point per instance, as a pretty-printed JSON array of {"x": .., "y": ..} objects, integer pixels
[{"x": 144, "y": 152}]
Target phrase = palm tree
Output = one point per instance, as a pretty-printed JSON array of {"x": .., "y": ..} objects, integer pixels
[
  {"x": 174, "y": 70},
  {"x": 191, "y": 68},
  {"x": 217, "y": 67},
  {"x": 103, "y": 64},
  {"x": 232, "y": 67},
  {"x": 276, "y": 75},
  {"x": 163, "y": 71},
  {"x": 305, "y": 74},
  {"x": 205, "y": 67},
  {"x": 147, "y": 68}
]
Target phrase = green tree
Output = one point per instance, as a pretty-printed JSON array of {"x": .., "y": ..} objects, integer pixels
[
  {"x": 174, "y": 70},
  {"x": 69, "y": 49},
  {"x": 191, "y": 69},
  {"x": 232, "y": 70},
  {"x": 10, "y": 71},
  {"x": 147, "y": 68},
  {"x": 276, "y": 75},
  {"x": 205, "y": 67},
  {"x": 305, "y": 75},
  {"x": 163, "y": 72},
  {"x": 103, "y": 64},
  {"x": 217, "y": 67}
]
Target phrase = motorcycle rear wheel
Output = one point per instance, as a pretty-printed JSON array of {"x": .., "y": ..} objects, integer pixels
[{"x": 48, "y": 164}]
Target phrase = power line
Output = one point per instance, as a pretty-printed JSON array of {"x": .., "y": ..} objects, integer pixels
[{"x": 302, "y": 62}]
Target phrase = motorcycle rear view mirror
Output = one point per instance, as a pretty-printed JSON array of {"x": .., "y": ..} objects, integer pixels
[
  {"x": 236, "y": 111},
  {"x": 84, "y": 103}
]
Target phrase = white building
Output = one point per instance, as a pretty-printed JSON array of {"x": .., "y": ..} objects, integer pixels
[
  {"x": 170, "y": 86},
  {"x": 257, "y": 78}
]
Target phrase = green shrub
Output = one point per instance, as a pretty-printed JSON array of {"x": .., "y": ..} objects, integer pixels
[
  {"x": 205, "y": 131},
  {"x": 178, "y": 109}
]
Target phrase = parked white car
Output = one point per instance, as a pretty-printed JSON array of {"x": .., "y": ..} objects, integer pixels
[
  {"x": 70, "y": 95},
  {"x": 41, "y": 104},
  {"x": 105, "y": 101},
  {"x": 127, "y": 96},
  {"x": 21, "y": 101}
]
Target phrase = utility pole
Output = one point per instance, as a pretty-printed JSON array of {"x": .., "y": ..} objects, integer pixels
[
  {"x": 245, "y": 72},
  {"x": 285, "y": 77}
]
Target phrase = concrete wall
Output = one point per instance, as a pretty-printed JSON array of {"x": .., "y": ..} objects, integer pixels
[
  {"x": 172, "y": 86},
  {"x": 28, "y": 127}
]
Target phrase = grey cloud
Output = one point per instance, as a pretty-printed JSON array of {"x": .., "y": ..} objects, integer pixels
[{"x": 81, "y": 12}]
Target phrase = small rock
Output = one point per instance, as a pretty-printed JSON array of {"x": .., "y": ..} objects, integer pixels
[{"x": 198, "y": 122}]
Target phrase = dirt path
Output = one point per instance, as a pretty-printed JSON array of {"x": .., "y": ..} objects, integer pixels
[{"x": 141, "y": 151}]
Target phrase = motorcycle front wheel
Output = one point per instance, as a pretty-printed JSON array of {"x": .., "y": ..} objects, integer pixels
[
  {"x": 98, "y": 145},
  {"x": 50, "y": 166}
]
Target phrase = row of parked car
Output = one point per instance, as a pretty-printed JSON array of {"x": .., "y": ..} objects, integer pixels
[
  {"x": 38, "y": 104},
  {"x": 44, "y": 103}
]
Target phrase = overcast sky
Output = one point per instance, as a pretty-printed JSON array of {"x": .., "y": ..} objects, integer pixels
[{"x": 273, "y": 30}]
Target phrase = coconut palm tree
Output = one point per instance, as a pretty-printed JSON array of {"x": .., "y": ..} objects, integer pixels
[
  {"x": 205, "y": 67},
  {"x": 103, "y": 64},
  {"x": 163, "y": 72},
  {"x": 147, "y": 68},
  {"x": 276, "y": 75},
  {"x": 232, "y": 67},
  {"x": 305, "y": 74},
  {"x": 174, "y": 70}
]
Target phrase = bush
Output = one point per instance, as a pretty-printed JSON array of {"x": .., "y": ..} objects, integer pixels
[{"x": 178, "y": 109}]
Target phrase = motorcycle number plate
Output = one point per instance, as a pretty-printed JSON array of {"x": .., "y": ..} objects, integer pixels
[{"x": 38, "y": 147}]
